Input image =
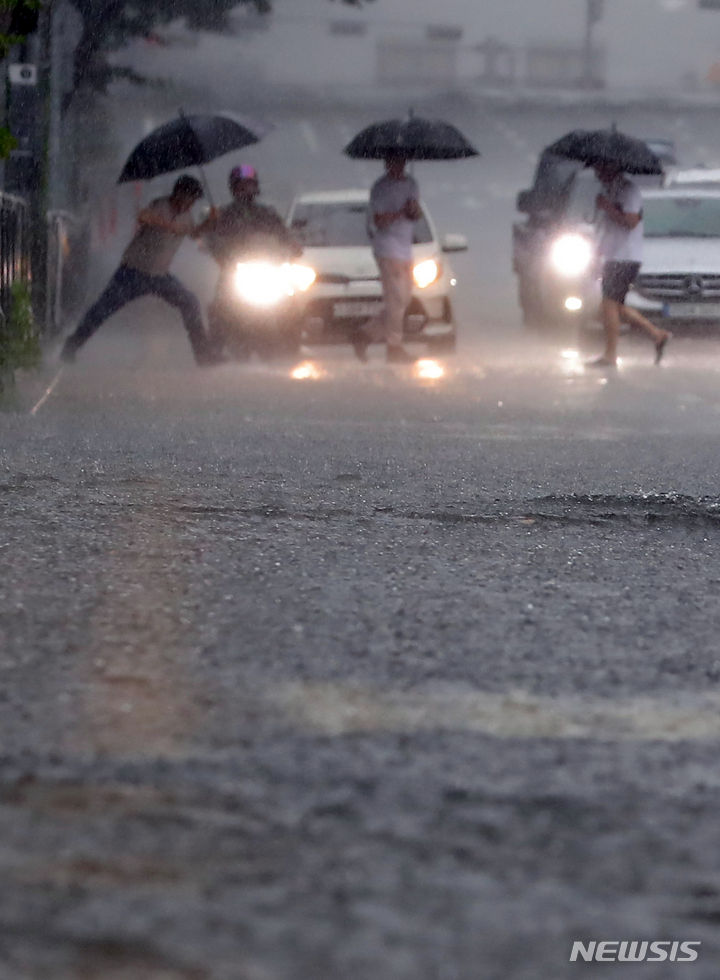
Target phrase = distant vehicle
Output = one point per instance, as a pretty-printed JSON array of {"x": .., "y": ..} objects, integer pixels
[
  {"x": 679, "y": 282},
  {"x": 664, "y": 150},
  {"x": 697, "y": 176},
  {"x": 334, "y": 228},
  {"x": 554, "y": 253}
]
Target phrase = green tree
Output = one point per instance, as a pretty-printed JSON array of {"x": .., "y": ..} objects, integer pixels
[
  {"x": 109, "y": 24},
  {"x": 18, "y": 18}
]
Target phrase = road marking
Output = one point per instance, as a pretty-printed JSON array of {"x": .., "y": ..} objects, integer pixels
[
  {"x": 48, "y": 391},
  {"x": 309, "y": 135},
  {"x": 337, "y": 709}
]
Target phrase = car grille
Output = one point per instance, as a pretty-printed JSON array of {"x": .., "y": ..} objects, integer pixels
[
  {"x": 338, "y": 279},
  {"x": 679, "y": 286}
]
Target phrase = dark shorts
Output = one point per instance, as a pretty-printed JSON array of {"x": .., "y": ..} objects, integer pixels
[{"x": 617, "y": 279}]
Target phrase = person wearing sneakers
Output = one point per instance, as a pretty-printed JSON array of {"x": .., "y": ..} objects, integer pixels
[
  {"x": 621, "y": 244},
  {"x": 145, "y": 270},
  {"x": 395, "y": 209}
]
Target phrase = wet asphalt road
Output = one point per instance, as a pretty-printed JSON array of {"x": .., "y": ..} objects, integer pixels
[{"x": 362, "y": 675}]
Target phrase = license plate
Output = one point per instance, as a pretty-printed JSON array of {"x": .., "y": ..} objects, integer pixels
[
  {"x": 693, "y": 311},
  {"x": 357, "y": 308}
]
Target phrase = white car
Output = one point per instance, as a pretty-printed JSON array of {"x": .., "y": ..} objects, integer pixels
[
  {"x": 679, "y": 281},
  {"x": 333, "y": 228}
]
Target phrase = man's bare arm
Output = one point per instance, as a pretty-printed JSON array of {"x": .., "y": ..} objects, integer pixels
[
  {"x": 627, "y": 220},
  {"x": 151, "y": 219},
  {"x": 410, "y": 212}
]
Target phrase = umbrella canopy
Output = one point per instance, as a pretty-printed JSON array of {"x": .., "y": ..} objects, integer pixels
[
  {"x": 608, "y": 146},
  {"x": 414, "y": 138},
  {"x": 189, "y": 141}
]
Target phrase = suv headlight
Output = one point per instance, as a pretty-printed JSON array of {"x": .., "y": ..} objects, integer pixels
[
  {"x": 426, "y": 272},
  {"x": 571, "y": 255}
]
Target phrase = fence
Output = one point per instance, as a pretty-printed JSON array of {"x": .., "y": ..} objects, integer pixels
[
  {"x": 14, "y": 248},
  {"x": 66, "y": 267}
]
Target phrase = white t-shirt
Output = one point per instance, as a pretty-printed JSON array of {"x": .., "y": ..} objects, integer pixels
[
  {"x": 152, "y": 249},
  {"x": 395, "y": 241},
  {"x": 618, "y": 244}
]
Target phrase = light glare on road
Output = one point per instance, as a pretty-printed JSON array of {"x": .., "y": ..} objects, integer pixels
[
  {"x": 429, "y": 370},
  {"x": 307, "y": 371}
]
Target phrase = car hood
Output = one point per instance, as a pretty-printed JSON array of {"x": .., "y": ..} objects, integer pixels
[
  {"x": 355, "y": 263},
  {"x": 669, "y": 255}
]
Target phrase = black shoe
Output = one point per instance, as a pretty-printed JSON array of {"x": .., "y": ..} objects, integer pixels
[
  {"x": 398, "y": 355},
  {"x": 209, "y": 353},
  {"x": 70, "y": 349}
]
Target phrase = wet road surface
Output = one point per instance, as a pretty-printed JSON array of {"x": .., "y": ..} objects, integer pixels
[{"x": 358, "y": 674}]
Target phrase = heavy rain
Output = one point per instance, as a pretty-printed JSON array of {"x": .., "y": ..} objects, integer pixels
[{"x": 359, "y": 412}]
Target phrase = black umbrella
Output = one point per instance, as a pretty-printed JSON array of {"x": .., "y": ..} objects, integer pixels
[
  {"x": 608, "y": 146},
  {"x": 190, "y": 141},
  {"x": 414, "y": 138}
]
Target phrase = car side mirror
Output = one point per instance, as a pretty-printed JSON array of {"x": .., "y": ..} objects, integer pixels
[{"x": 454, "y": 243}]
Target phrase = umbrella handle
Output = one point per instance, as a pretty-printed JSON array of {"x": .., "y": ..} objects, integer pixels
[
  {"x": 203, "y": 178},
  {"x": 206, "y": 186}
]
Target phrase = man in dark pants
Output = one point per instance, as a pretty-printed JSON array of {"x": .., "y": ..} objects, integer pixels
[{"x": 145, "y": 270}]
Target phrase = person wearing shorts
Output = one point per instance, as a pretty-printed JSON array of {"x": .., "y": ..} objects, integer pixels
[{"x": 621, "y": 242}]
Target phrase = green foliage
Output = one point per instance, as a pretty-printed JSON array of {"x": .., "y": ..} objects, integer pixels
[
  {"x": 18, "y": 18},
  {"x": 7, "y": 142},
  {"x": 19, "y": 336}
]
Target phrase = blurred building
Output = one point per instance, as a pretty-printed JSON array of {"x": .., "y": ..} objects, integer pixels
[{"x": 645, "y": 44}]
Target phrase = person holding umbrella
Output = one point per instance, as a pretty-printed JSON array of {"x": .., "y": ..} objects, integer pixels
[
  {"x": 394, "y": 209},
  {"x": 614, "y": 155},
  {"x": 145, "y": 270},
  {"x": 621, "y": 241},
  {"x": 186, "y": 141}
]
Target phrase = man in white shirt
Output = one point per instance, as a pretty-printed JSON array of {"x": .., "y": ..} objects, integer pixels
[
  {"x": 145, "y": 270},
  {"x": 621, "y": 248},
  {"x": 394, "y": 208}
]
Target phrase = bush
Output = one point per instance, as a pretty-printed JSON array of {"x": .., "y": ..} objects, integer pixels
[{"x": 19, "y": 337}]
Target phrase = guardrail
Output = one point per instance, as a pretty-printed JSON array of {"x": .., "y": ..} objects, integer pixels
[{"x": 14, "y": 248}]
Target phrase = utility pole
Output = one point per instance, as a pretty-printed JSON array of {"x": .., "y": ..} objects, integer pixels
[
  {"x": 40, "y": 190},
  {"x": 593, "y": 13}
]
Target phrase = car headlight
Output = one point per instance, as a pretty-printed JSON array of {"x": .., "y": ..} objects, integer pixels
[
  {"x": 302, "y": 276},
  {"x": 571, "y": 255},
  {"x": 426, "y": 272}
]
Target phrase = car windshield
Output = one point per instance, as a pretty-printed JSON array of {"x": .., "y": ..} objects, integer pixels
[
  {"x": 682, "y": 217},
  {"x": 341, "y": 224}
]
